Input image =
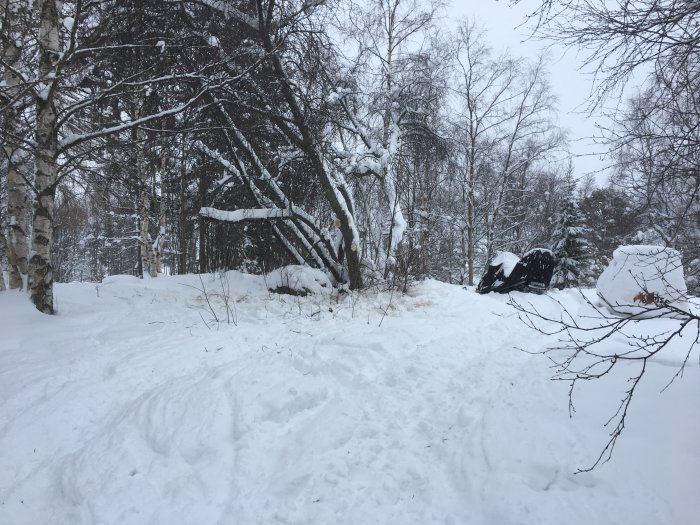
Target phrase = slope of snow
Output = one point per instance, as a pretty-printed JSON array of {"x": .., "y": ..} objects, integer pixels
[{"x": 133, "y": 405}]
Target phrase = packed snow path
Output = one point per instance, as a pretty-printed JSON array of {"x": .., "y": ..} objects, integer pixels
[{"x": 133, "y": 406}]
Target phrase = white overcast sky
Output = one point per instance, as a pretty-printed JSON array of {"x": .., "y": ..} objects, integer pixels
[{"x": 571, "y": 86}]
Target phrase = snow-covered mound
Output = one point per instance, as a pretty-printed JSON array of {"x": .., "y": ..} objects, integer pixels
[
  {"x": 135, "y": 406},
  {"x": 639, "y": 276},
  {"x": 299, "y": 280}
]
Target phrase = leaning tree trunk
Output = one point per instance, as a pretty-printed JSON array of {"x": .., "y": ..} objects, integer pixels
[
  {"x": 17, "y": 161},
  {"x": 40, "y": 269},
  {"x": 337, "y": 194}
]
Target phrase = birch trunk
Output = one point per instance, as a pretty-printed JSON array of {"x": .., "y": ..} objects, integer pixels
[
  {"x": 388, "y": 184},
  {"x": 146, "y": 252},
  {"x": 144, "y": 240},
  {"x": 17, "y": 161},
  {"x": 182, "y": 224},
  {"x": 3, "y": 244},
  {"x": 40, "y": 269},
  {"x": 158, "y": 246},
  {"x": 202, "y": 225},
  {"x": 470, "y": 216}
]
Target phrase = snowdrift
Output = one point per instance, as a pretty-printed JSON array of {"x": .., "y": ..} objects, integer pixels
[
  {"x": 641, "y": 276},
  {"x": 298, "y": 280},
  {"x": 135, "y": 406}
]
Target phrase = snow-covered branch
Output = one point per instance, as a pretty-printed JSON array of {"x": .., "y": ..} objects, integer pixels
[{"x": 254, "y": 214}]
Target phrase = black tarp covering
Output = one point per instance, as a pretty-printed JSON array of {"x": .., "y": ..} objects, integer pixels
[
  {"x": 532, "y": 273},
  {"x": 493, "y": 279}
]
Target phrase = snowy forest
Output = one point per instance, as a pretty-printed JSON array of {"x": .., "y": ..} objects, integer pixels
[
  {"x": 362, "y": 138},
  {"x": 348, "y": 262}
]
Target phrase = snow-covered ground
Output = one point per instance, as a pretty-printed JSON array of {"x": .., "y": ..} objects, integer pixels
[{"x": 132, "y": 405}]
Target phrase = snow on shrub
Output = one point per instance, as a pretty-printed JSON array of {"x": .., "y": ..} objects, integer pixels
[
  {"x": 298, "y": 280},
  {"x": 638, "y": 277}
]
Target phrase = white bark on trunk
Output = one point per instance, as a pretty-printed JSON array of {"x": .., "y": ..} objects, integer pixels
[
  {"x": 145, "y": 240},
  {"x": 148, "y": 264},
  {"x": 17, "y": 167},
  {"x": 3, "y": 244},
  {"x": 40, "y": 269},
  {"x": 159, "y": 246}
]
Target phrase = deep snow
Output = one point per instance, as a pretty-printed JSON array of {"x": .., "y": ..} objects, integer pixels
[
  {"x": 653, "y": 270},
  {"x": 132, "y": 405}
]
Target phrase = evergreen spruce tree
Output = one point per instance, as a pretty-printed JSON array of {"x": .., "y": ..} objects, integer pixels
[{"x": 570, "y": 247}]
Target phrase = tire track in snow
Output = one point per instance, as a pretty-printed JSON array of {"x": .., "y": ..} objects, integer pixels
[{"x": 298, "y": 415}]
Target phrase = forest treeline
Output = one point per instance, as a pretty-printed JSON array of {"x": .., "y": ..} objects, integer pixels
[{"x": 360, "y": 137}]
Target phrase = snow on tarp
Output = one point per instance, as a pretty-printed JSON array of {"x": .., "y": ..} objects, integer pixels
[
  {"x": 537, "y": 250},
  {"x": 506, "y": 260},
  {"x": 640, "y": 274},
  {"x": 300, "y": 279}
]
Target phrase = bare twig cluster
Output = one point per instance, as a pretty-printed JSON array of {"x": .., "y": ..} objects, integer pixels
[
  {"x": 224, "y": 294},
  {"x": 592, "y": 345}
]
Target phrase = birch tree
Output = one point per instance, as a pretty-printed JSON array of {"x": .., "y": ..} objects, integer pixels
[
  {"x": 528, "y": 135},
  {"x": 618, "y": 39},
  {"x": 504, "y": 127},
  {"x": 71, "y": 40},
  {"x": 46, "y": 153},
  {"x": 390, "y": 37},
  {"x": 3, "y": 249},
  {"x": 483, "y": 88},
  {"x": 14, "y": 32}
]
